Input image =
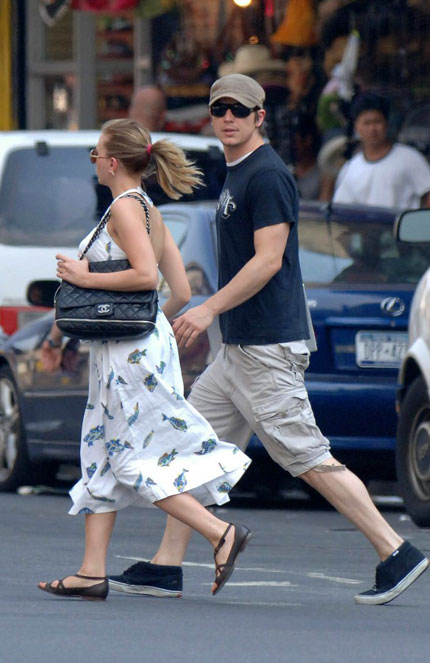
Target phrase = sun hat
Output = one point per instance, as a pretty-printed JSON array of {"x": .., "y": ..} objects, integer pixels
[
  {"x": 239, "y": 87},
  {"x": 251, "y": 59}
]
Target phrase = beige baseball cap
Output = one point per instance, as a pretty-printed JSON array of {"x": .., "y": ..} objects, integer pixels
[{"x": 239, "y": 87}]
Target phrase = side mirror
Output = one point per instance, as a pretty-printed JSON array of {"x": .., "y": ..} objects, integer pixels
[
  {"x": 413, "y": 226},
  {"x": 41, "y": 293}
]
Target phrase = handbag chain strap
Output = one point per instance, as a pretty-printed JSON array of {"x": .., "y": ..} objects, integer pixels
[{"x": 105, "y": 218}]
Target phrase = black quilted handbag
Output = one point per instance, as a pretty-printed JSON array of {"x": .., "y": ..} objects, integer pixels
[{"x": 92, "y": 314}]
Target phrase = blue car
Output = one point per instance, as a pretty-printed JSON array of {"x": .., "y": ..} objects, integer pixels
[{"x": 359, "y": 283}]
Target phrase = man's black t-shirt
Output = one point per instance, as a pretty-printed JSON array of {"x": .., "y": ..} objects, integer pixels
[{"x": 260, "y": 191}]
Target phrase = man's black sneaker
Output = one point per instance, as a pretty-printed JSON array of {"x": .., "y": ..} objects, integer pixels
[
  {"x": 394, "y": 575},
  {"x": 149, "y": 580}
]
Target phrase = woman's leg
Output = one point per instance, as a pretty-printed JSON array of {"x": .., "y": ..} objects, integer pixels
[
  {"x": 188, "y": 510},
  {"x": 98, "y": 530}
]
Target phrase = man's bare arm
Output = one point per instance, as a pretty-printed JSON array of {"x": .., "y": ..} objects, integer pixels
[{"x": 269, "y": 244}]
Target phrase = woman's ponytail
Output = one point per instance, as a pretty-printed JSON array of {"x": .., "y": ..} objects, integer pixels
[
  {"x": 175, "y": 173},
  {"x": 131, "y": 144}
]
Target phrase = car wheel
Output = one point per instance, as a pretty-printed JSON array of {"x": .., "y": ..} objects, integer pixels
[
  {"x": 413, "y": 452},
  {"x": 15, "y": 468}
]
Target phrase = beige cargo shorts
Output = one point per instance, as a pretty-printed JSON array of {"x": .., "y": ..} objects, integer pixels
[{"x": 260, "y": 388}]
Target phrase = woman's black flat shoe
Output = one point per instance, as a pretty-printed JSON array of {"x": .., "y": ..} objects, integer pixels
[
  {"x": 97, "y": 592},
  {"x": 223, "y": 571}
]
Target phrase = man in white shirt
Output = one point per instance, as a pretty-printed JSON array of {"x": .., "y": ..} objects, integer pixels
[{"x": 382, "y": 173}]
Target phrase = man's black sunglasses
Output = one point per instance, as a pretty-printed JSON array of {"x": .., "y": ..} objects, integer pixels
[{"x": 238, "y": 110}]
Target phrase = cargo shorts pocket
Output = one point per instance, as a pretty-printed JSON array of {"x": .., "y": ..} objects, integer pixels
[{"x": 289, "y": 424}]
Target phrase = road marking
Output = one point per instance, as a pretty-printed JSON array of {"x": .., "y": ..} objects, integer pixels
[
  {"x": 270, "y": 604},
  {"x": 260, "y": 583},
  {"x": 209, "y": 566},
  {"x": 322, "y": 576}
]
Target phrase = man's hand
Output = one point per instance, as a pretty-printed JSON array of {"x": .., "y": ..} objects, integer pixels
[
  {"x": 192, "y": 323},
  {"x": 73, "y": 271}
]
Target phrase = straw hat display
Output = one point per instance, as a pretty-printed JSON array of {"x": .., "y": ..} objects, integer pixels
[
  {"x": 298, "y": 26},
  {"x": 251, "y": 59}
]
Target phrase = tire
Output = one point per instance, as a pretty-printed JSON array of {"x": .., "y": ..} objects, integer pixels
[
  {"x": 15, "y": 467},
  {"x": 413, "y": 452}
]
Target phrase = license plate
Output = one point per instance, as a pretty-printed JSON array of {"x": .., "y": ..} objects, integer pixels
[{"x": 380, "y": 349}]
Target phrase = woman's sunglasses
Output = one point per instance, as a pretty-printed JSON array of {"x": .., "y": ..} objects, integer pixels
[
  {"x": 94, "y": 156},
  {"x": 238, "y": 110}
]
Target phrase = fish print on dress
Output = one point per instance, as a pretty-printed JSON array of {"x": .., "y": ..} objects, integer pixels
[
  {"x": 116, "y": 446},
  {"x": 138, "y": 482},
  {"x": 134, "y": 417},
  {"x": 105, "y": 469},
  {"x": 179, "y": 424},
  {"x": 150, "y": 482},
  {"x": 96, "y": 433},
  {"x": 101, "y": 498},
  {"x": 85, "y": 510},
  {"x": 136, "y": 356},
  {"x": 108, "y": 247},
  {"x": 207, "y": 447},
  {"x": 110, "y": 378},
  {"x": 91, "y": 470},
  {"x": 167, "y": 458},
  {"x": 148, "y": 439},
  {"x": 161, "y": 367},
  {"x": 150, "y": 382},
  {"x": 224, "y": 487},
  {"x": 176, "y": 395},
  {"x": 89, "y": 406},
  {"x": 106, "y": 411},
  {"x": 180, "y": 482},
  {"x": 120, "y": 380}
]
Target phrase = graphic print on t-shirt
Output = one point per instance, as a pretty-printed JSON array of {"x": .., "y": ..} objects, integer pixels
[{"x": 226, "y": 204}]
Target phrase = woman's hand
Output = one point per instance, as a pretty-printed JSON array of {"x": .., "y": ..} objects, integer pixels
[{"x": 73, "y": 271}]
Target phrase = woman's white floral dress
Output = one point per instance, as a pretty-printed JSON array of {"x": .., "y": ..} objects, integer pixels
[{"x": 141, "y": 440}]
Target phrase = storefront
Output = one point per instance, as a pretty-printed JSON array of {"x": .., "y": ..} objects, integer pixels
[{"x": 82, "y": 66}]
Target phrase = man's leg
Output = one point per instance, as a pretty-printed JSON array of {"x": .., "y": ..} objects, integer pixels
[
  {"x": 270, "y": 382},
  {"x": 162, "y": 577},
  {"x": 401, "y": 563},
  {"x": 347, "y": 493}
]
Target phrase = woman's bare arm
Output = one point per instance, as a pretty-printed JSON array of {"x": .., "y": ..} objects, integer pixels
[{"x": 172, "y": 268}]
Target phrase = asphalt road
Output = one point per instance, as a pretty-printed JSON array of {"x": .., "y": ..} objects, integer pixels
[{"x": 291, "y": 597}]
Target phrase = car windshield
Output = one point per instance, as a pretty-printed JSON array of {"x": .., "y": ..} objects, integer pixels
[
  {"x": 345, "y": 252},
  {"x": 50, "y": 196}
]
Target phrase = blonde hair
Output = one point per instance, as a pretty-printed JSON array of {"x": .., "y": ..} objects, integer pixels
[{"x": 130, "y": 143}]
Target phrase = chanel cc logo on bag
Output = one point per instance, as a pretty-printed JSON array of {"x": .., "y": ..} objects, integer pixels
[{"x": 104, "y": 309}]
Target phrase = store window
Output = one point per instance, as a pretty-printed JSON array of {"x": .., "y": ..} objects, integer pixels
[{"x": 80, "y": 69}]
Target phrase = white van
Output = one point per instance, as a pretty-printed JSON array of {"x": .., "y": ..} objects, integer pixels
[
  {"x": 50, "y": 199},
  {"x": 413, "y": 401}
]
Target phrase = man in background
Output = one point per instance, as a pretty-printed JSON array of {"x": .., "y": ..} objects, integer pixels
[
  {"x": 148, "y": 107},
  {"x": 382, "y": 173}
]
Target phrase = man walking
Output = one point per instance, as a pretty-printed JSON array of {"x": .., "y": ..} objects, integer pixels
[{"x": 256, "y": 382}]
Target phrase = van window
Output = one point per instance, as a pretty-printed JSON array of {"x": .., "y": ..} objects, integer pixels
[
  {"x": 50, "y": 196},
  {"x": 47, "y": 200},
  {"x": 374, "y": 255}
]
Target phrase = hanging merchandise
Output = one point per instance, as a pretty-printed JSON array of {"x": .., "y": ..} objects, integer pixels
[
  {"x": 104, "y": 5},
  {"x": 51, "y": 10},
  {"x": 251, "y": 59},
  {"x": 298, "y": 26},
  {"x": 147, "y": 8}
]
